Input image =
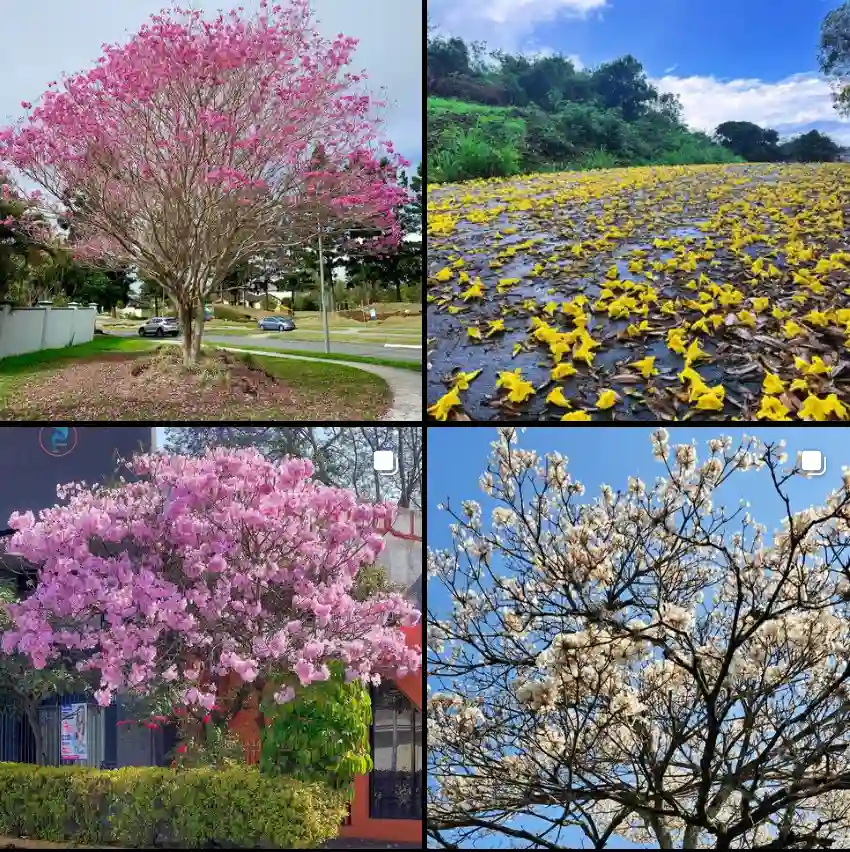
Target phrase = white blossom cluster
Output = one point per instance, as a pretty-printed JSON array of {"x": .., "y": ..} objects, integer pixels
[{"x": 643, "y": 636}]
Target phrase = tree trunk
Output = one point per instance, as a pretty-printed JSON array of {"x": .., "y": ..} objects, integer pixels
[
  {"x": 198, "y": 333},
  {"x": 31, "y": 713},
  {"x": 187, "y": 324}
]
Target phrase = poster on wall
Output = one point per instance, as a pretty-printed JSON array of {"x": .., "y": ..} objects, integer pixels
[{"x": 74, "y": 732}]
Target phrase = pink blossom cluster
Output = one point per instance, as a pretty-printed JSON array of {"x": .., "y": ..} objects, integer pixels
[
  {"x": 205, "y": 566},
  {"x": 140, "y": 136}
]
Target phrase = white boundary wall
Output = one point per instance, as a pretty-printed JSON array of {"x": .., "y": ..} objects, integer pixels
[
  {"x": 402, "y": 554},
  {"x": 32, "y": 329}
]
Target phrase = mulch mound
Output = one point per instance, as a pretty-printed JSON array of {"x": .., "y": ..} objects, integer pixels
[{"x": 151, "y": 385}]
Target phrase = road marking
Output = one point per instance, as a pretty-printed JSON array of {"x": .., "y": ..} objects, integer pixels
[{"x": 401, "y": 346}]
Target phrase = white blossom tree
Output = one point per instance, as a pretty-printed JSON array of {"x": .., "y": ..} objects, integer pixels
[{"x": 645, "y": 666}]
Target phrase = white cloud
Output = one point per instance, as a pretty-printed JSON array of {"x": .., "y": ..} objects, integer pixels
[
  {"x": 505, "y": 24},
  {"x": 531, "y": 11},
  {"x": 798, "y": 102}
]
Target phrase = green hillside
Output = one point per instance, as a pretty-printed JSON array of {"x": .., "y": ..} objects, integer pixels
[
  {"x": 469, "y": 140},
  {"x": 492, "y": 114}
]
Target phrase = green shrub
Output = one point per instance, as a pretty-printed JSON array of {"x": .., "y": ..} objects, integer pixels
[
  {"x": 141, "y": 806},
  {"x": 231, "y": 313},
  {"x": 323, "y": 733},
  {"x": 307, "y": 302},
  {"x": 472, "y": 155}
]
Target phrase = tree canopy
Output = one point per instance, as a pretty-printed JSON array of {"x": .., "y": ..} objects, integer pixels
[
  {"x": 218, "y": 564},
  {"x": 646, "y": 663},
  {"x": 201, "y": 143}
]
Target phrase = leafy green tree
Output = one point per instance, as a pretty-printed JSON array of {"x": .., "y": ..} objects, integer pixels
[
  {"x": 622, "y": 84},
  {"x": 834, "y": 55},
  {"x": 447, "y": 57},
  {"x": 812, "y": 147},
  {"x": 753, "y": 143},
  {"x": 20, "y": 254}
]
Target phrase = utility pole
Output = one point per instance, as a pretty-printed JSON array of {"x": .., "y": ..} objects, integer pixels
[{"x": 326, "y": 330}]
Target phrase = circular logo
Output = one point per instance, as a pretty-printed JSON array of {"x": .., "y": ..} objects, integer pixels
[{"x": 57, "y": 441}]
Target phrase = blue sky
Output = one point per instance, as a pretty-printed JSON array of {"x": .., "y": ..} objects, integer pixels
[
  {"x": 458, "y": 456},
  {"x": 753, "y": 60}
]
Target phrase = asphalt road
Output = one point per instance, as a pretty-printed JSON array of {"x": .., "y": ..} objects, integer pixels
[{"x": 375, "y": 350}]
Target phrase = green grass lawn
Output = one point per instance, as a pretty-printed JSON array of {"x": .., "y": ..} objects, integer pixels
[
  {"x": 415, "y": 366},
  {"x": 83, "y": 382}
]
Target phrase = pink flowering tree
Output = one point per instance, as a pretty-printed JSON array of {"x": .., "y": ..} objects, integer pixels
[
  {"x": 202, "y": 143},
  {"x": 201, "y": 567}
]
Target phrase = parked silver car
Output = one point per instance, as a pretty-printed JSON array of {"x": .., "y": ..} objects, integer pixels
[
  {"x": 160, "y": 327},
  {"x": 277, "y": 324}
]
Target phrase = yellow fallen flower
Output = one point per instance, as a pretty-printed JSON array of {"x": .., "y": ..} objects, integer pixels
[
  {"x": 636, "y": 330},
  {"x": 518, "y": 389},
  {"x": 461, "y": 380},
  {"x": 476, "y": 291},
  {"x": 445, "y": 274},
  {"x": 676, "y": 340},
  {"x": 495, "y": 325},
  {"x": 818, "y": 318},
  {"x": 646, "y": 366},
  {"x": 814, "y": 368},
  {"x": 792, "y": 329},
  {"x": 772, "y": 384},
  {"x": 563, "y": 371},
  {"x": 521, "y": 391},
  {"x": 772, "y": 409},
  {"x": 697, "y": 386},
  {"x": 556, "y": 397},
  {"x": 712, "y": 399},
  {"x": 440, "y": 409},
  {"x": 474, "y": 332},
  {"x": 576, "y": 415},
  {"x": 839, "y": 409},
  {"x": 815, "y": 408},
  {"x": 694, "y": 353},
  {"x": 607, "y": 399}
]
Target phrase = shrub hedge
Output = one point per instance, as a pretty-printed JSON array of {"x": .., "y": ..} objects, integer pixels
[
  {"x": 231, "y": 313},
  {"x": 151, "y": 806}
]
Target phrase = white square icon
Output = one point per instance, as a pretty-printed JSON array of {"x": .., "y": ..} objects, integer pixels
[
  {"x": 384, "y": 461},
  {"x": 812, "y": 462}
]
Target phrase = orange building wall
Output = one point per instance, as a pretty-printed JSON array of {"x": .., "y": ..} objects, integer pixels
[{"x": 360, "y": 825}]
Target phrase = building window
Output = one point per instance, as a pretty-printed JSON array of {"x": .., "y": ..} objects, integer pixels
[{"x": 396, "y": 780}]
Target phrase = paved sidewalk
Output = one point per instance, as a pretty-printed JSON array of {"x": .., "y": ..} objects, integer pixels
[{"x": 406, "y": 385}]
